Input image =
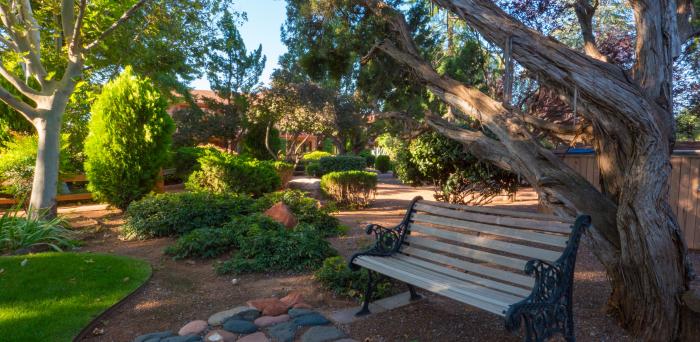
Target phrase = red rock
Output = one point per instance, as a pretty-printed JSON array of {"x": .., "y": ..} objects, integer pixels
[
  {"x": 281, "y": 213},
  {"x": 270, "y": 320},
  {"x": 270, "y": 306},
  {"x": 293, "y": 298},
  {"x": 193, "y": 328},
  {"x": 220, "y": 336},
  {"x": 302, "y": 305},
  {"x": 257, "y": 337}
]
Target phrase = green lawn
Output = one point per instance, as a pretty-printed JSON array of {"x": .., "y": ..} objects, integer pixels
[{"x": 54, "y": 295}]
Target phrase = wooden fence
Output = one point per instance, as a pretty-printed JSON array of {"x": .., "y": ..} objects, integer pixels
[{"x": 684, "y": 187}]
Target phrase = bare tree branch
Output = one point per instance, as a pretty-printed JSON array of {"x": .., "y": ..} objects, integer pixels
[
  {"x": 585, "y": 10},
  {"x": 116, "y": 24},
  {"x": 76, "y": 37}
]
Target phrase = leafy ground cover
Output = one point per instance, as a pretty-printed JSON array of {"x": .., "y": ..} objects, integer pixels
[{"x": 52, "y": 296}]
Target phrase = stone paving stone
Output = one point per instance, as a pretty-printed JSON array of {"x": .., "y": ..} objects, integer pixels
[
  {"x": 294, "y": 313},
  {"x": 311, "y": 319},
  {"x": 257, "y": 337},
  {"x": 190, "y": 338},
  {"x": 220, "y": 336},
  {"x": 240, "y": 326},
  {"x": 193, "y": 328},
  {"x": 154, "y": 336},
  {"x": 270, "y": 320},
  {"x": 283, "y": 332},
  {"x": 322, "y": 334},
  {"x": 220, "y": 317}
]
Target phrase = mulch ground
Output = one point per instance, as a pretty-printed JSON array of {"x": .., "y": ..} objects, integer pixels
[{"x": 182, "y": 291}]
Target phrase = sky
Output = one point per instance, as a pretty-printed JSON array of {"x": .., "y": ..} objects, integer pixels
[{"x": 265, "y": 17}]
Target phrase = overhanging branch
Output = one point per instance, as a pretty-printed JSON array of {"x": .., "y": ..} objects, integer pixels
[{"x": 130, "y": 12}]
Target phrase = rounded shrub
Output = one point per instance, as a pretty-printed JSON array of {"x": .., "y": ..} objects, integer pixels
[
  {"x": 284, "y": 170},
  {"x": 382, "y": 164},
  {"x": 315, "y": 156},
  {"x": 341, "y": 163},
  {"x": 313, "y": 169},
  {"x": 203, "y": 243},
  {"x": 369, "y": 157},
  {"x": 227, "y": 173},
  {"x": 175, "y": 214},
  {"x": 130, "y": 134},
  {"x": 306, "y": 209},
  {"x": 336, "y": 276},
  {"x": 351, "y": 188}
]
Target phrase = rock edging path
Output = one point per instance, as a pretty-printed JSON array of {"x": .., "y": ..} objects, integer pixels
[{"x": 286, "y": 319}]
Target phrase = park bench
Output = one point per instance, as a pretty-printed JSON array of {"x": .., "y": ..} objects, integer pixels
[{"x": 513, "y": 264}]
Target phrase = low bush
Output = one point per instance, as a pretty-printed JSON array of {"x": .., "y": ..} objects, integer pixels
[
  {"x": 369, "y": 157},
  {"x": 315, "y": 156},
  {"x": 179, "y": 213},
  {"x": 307, "y": 210},
  {"x": 341, "y": 163},
  {"x": 226, "y": 173},
  {"x": 313, "y": 169},
  {"x": 18, "y": 232},
  {"x": 184, "y": 159},
  {"x": 351, "y": 188},
  {"x": 268, "y": 246},
  {"x": 284, "y": 170},
  {"x": 382, "y": 164},
  {"x": 203, "y": 243},
  {"x": 336, "y": 276}
]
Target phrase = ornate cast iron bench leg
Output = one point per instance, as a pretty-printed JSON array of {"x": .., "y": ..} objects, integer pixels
[
  {"x": 368, "y": 296},
  {"x": 548, "y": 310},
  {"x": 414, "y": 295}
]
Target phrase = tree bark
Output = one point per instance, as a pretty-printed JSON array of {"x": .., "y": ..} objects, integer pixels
[{"x": 635, "y": 234}]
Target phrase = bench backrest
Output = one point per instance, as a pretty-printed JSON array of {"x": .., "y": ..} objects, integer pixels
[{"x": 491, "y": 245}]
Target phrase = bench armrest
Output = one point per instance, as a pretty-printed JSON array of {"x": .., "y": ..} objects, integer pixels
[
  {"x": 548, "y": 308},
  {"x": 387, "y": 241}
]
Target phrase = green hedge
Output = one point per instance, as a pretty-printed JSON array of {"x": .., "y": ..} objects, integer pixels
[
  {"x": 341, "y": 163},
  {"x": 315, "y": 156},
  {"x": 382, "y": 164},
  {"x": 226, "y": 173},
  {"x": 352, "y": 188},
  {"x": 284, "y": 170},
  {"x": 179, "y": 213}
]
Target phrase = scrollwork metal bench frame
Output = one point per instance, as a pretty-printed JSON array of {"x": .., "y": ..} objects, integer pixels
[{"x": 544, "y": 313}]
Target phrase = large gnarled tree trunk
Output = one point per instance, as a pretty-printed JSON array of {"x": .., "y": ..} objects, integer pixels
[{"x": 636, "y": 236}]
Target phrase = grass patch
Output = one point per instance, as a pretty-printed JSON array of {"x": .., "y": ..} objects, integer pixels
[{"x": 54, "y": 295}]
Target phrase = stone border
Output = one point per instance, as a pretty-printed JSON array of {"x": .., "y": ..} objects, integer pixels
[{"x": 90, "y": 326}]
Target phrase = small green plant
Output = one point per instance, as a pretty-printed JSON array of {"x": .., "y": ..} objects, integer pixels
[
  {"x": 336, "y": 276},
  {"x": 307, "y": 210},
  {"x": 18, "y": 232},
  {"x": 351, "y": 188},
  {"x": 370, "y": 159},
  {"x": 382, "y": 164},
  {"x": 130, "y": 134},
  {"x": 268, "y": 246},
  {"x": 284, "y": 170},
  {"x": 204, "y": 243},
  {"x": 315, "y": 156},
  {"x": 313, "y": 169},
  {"x": 341, "y": 163},
  {"x": 227, "y": 173},
  {"x": 175, "y": 214}
]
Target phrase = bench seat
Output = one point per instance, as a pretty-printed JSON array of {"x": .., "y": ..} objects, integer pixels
[{"x": 513, "y": 264}]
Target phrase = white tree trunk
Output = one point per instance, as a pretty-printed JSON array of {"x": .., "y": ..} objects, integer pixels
[{"x": 48, "y": 126}]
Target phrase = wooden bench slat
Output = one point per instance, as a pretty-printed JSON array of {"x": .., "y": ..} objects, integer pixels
[
  {"x": 432, "y": 286},
  {"x": 558, "y": 241},
  {"x": 503, "y": 287},
  {"x": 515, "y": 278},
  {"x": 492, "y": 295},
  {"x": 538, "y": 225},
  {"x": 514, "y": 263},
  {"x": 502, "y": 212},
  {"x": 512, "y": 248}
]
